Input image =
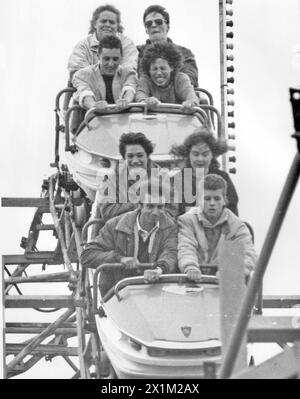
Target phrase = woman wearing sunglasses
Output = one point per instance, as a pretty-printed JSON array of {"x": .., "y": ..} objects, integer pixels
[
  {"x": 161, "y": 81},
  {"x": 156, "y": 20}
]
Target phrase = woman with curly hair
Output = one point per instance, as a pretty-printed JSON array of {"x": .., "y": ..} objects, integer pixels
[
  {"x": 200, "y": 151},
  {"x": 161, "y": 81}
]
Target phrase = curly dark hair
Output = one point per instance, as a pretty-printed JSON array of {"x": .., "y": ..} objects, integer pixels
[
  {"x": 167, "y": 51},
  {"x": 200, "y": 135},
  {"x": 99, "y": 10},
  {"x": 135, "y": 138},
  {"x": 110, "y": 41},
  {"x": 159, "y": 9}
]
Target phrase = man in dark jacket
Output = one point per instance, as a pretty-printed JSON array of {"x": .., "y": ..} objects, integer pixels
[
  {"x": 145, "y": 235},
  {"x": 157, "y": 24}
]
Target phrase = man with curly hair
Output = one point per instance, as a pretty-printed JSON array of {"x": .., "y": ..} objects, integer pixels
[
  {"x": 157, "y": 24},
  {"x": 162, "y": 81},
  {"x": 106, "y": 20}
]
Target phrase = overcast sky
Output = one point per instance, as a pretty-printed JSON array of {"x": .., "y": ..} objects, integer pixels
[{"x": 36, "y": 38}]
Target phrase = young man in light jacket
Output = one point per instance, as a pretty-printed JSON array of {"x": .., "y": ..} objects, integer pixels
[
  {"x": 107, "y": 82},
  {"x": 202, "y": 229}
]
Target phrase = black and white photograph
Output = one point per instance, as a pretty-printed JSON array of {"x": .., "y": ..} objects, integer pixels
[{"x": 150, "y": 211}]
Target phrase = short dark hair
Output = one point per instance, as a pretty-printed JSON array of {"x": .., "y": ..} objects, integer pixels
[
  {"x": 99, "y": 10},
  {"x": 215, "y": 182},
  {"x": 159, "y": 9},
  {"x": 167, "y": 51},
  {"x": 110, "y": 41},
  {"x": 135, "y": 138},
  {"x": 200, "y": 135}
]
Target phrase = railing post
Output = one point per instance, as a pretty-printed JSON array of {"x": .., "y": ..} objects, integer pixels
[
  {"x": 232, "y": 292},
  {"x": 262, "y": 263}
]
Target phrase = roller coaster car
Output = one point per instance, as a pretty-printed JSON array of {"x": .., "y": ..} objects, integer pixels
[
  {"x": 136, "y": 322},
  {"x": 95, "y": 144},
  {"x": 169, "y": 329}
]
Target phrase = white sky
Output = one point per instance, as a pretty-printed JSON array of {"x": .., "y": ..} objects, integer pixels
[{"x": 36, "y": 38}]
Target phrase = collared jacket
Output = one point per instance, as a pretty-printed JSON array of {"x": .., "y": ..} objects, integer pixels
[
  {"x": 193, "y": 246},
  {"x": 89, "y": 82},
  {"x": 117, "y": 239},
  {"x": 179, "y": 89},
  {"x": 86, "y": 53},
  {"x": 189, "y": 65}
]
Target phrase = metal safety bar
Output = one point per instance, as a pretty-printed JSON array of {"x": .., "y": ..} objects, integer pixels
[
  {"x": 111, "y": 266},
  {"x": 220, "y": 132},
  {"x": 164, "y": 107},
  {"x": 68, "y": 147},
  {"x": 58, "y": 127},
  {"x": 164, "y": 278},
  {"x": 210, "y": 101},
  {"x": 207, "y": 93},
  {"x": 112, "y": 108},
  {"x": 84, "y": 232}
]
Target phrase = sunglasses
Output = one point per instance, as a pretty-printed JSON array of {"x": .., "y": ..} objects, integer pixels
[{"x": 158, "y": 21}]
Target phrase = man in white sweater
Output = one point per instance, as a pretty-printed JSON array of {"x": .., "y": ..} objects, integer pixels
[{"x": 202, "y": 229}]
